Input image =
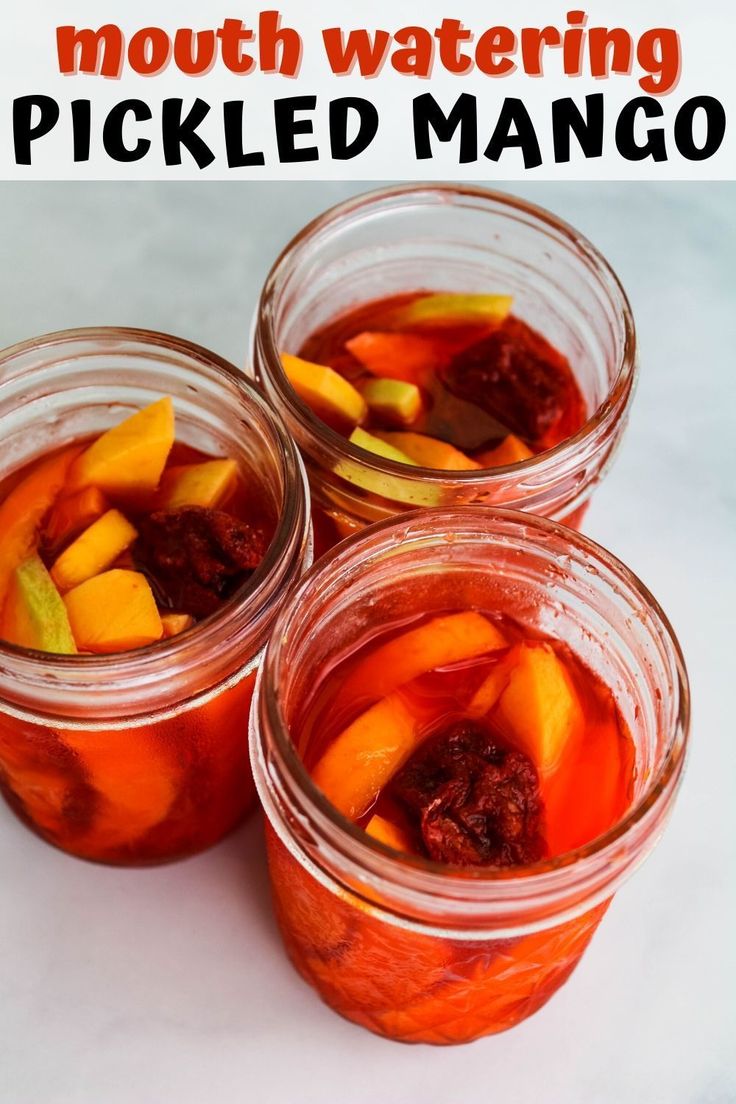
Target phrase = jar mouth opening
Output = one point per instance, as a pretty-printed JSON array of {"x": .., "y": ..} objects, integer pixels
[
  {"x": 251, "y": 597},
  {"x": 615, "y": 400},
  {"x": 440, "y": 874}
]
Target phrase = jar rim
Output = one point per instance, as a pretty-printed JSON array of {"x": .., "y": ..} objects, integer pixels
[
  {"x": 253, "y": 596},
  {"x": 438, "y": 876},
  {"x": 563, "y": 453}
]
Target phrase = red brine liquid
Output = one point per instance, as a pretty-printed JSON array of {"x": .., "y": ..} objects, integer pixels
[
  {"x": 119, "y": 541},
  {"x": 486, "y": 383},
  {"x": 508, "y": 722},
  {"x": 470, "y": 740},
  {"x": 115, "y": 543}
]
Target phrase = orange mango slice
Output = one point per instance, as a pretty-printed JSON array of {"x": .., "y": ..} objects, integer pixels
[
  {"x": 175, "y": 623},
  {"x": 428, "y": 452},
  {"x": 539, "y": 708},
  {"x": 581, "y": 803},
  {"x": 512, "y": 450},
  {"x": 206, "y": 484},
  {"x": 325, "y": 391},
  {"x": 493, "y": 686},
  {"x": 359, "y": 763},
  {"x": 408, "y": 357},
  {"x": 131, "y": 456},
  {"x": 381, "y": 829},
  {"x": 453, "y": 309},
  {"x": 34, "y": 615},
  {"x": 93, "y": 551},
  {"x": 397, "y": 401},
  {"x": 23, "y": 511},
  {"x": 449, "y": 638},
  {"x": 72, "y": 514},
  {"x": 136, "y": 781},
  {"x": 113, "y": 612}
]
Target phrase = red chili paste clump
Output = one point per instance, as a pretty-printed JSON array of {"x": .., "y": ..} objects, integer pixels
[
  {"x": 196, "y": 557},
  {"x": 473, "y": 801}
]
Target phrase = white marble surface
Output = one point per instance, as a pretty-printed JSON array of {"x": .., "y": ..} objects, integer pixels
[{"x": 169, "y": 984}]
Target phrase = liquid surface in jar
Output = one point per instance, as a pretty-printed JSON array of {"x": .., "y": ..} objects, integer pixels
[
  {"x": 470, "y": 740},
  {"x": 118, "y": 541},
  {"x": 446, "y": 381}
]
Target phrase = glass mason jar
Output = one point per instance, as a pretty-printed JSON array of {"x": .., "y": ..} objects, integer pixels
[
  {"x": 142, "y": 756},
  {"x": 399, "y": 944},
  {"x": 449, "y": 238}
]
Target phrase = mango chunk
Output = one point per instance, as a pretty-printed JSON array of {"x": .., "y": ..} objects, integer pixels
[
  {"x": 449, "y": 638},
  {"x": 93, "y": 551},
  {"x": 449, "y": 309},
  {"x": 408, "y": 357},
  {"x": 373, "y": 443},
  {"x": 323, "y": 389},
  {"x": 493, "y": 686},
  {"x": 113, "y": 612},
  {"x": 356, "y": 767},
  {"x": 397, "y": 401},
  {"x": 136, "y": 780},
  {"x": 381, "y": 829},
  {"x": 175, "y": 623},
  {"x": 206, "y": 484},
  {"x": 131, "y": 456},
  {"x": 400, "y": 488},
  {"x": 512, "y": 450},
  {"x": 428, "y": 452},
  {"x": 539, "y": 708},
  {"x": 34, "y": 615},
  {"x": 23, "y": 511},
  {"x": 71, "y": 515}
]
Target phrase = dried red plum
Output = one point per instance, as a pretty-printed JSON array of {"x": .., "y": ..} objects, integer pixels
[
  {"x": 195, "y": 558},
  {"x": 517, "y": 377},
  {"x": 476, "y": 802}
]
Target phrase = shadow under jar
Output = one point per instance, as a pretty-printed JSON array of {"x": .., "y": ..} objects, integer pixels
[
  {"x": 449, "y": 238},
  {"x": 141, "y": 756},
  {"x": 422, "y": 951}
]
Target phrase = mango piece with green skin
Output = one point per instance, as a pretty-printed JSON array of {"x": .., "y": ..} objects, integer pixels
[
  {"x": 429, "y": 452},
  {"x": 325, "y": 391},
  {"x": 453, "y": 309},
  {"x": 394, "y": 400},
  {"x": 386, "y": 485},
  {"x": 206, "y": 484},
  {"x": 34, "y": 615},
  {"x": 373, "y": 443},
  {"x": 93, "y": 551},
  {"x": 130, "y": 457}
]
